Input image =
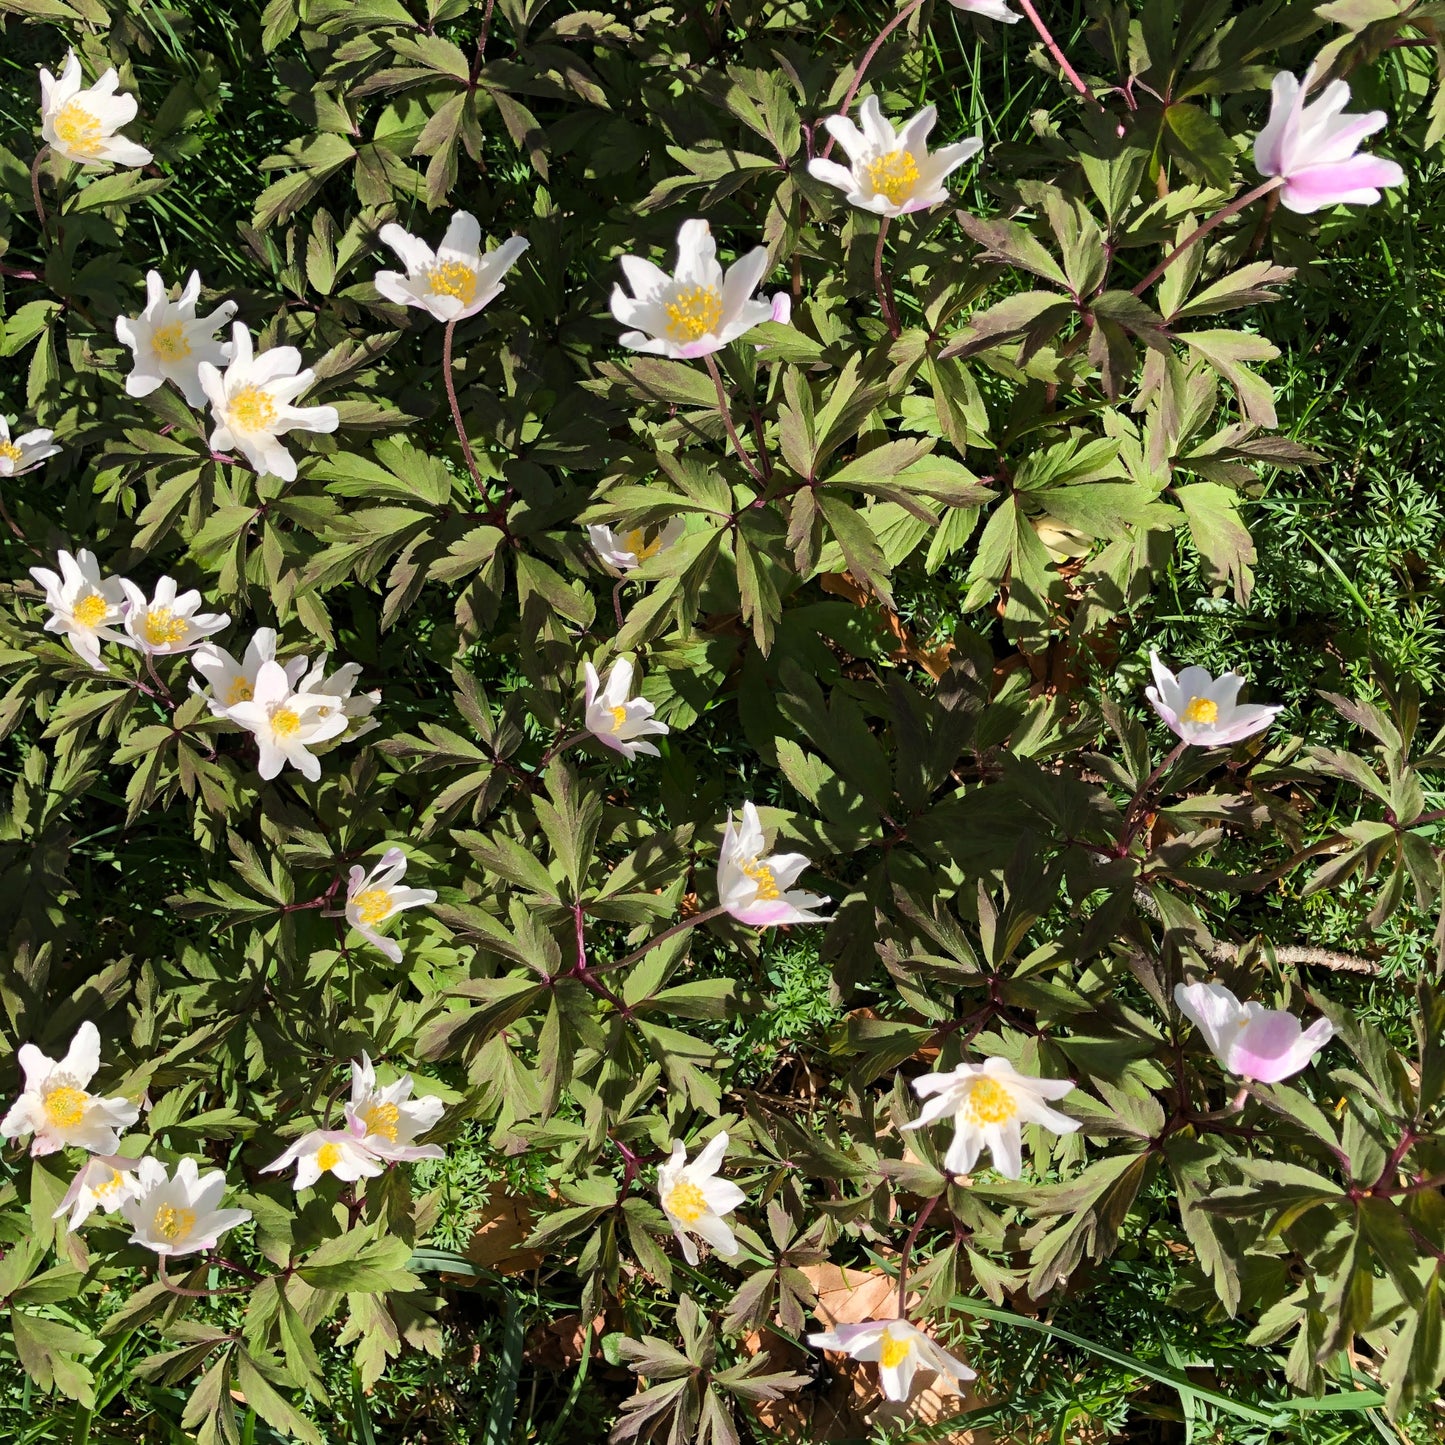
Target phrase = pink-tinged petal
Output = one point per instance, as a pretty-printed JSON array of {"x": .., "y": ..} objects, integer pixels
[
  {"x": 1286, "y": 97},
  {"x": 1352, "y": 182}
]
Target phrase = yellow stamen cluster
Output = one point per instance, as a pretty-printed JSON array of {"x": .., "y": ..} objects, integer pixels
[
  {"x": 328, "y": 1156},
  {"x": 453, "y": 278},
  {"x": 763, "y": 876},
  {"x": 685, "y": 1201},
  {"x": 894, "y": 1351},
  {"x": 240, "y": 691},
  {"x": 894, "y": 175},
  {"x": 90, "y": 611},
  {"x": 372, "y": 905},
  {"x": 633, "y": 542},
  {"x": 381, "y": 1119},
  {"x": 162, "y": 628},
  {"x": 172, "y": 1223},
  {"x": 169, "y": 342},
  {"x": 988, "y": 1102},
  {"x": 1200, "y": 710},
  {"x": 108, "y": 1187},
  {"x": 285, "y": 723},
  {"x": 79, "y": 130},
  {"x": 251, "y": 409},
  {"x": 11, "y": 453},
  {"x": 65, "y": 1106},
  {"x": 693, "y": 313},
  {"x": 619, "y": 719}
]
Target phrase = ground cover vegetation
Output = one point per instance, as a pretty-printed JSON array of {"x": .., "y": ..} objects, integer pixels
[{"x": 590, "y": 840}]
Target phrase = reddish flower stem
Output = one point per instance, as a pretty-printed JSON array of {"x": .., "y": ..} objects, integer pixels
[
  {"x": 1232, "y": 209},
  {"x": 726, "y": 414},
  {"x": 908, "y": 1250},
  {"x": 1060, "y": 59},
  {"x": 705, "y": 917},
  {"x": 456, "y": 406},
  {"x": 880, "y": 282},
  {"x": 867, "y": 60}
]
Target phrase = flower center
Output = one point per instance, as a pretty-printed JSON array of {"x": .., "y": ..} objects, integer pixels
[
  {"x": 372, "y": 905},
  {"x": 172, "y": 1223},
  {"x": 989, "y": 1102},
  {"x": 328, "y": 1156},
  {"x": 78, "y": 129},
  {"x": 163, "y": 628},
  {"x": 894, "y": 175},
  {"x": 65, "y": 1106},
  {"x": 685, "y": 1201},
  {"x": 169, "y": 342},
  {"x": 381, "y": 1119},
  {"x": 693, "y": 312},
  {"x": 619, "y": 719},
  {"x": 90, "y": 611},
  {"x": 107, "y": 1187},
  {"x": 11, "y": 453},
  {"x": 633, "y": 542},
  {"x": 895, "y": 1351},
  {"x": 762, "y": 875},
  {"x": 453, "y": 278},
  {"x": 252, "y": 409},
  {"x": 240, "y": 691},
  {"x": 285, "y": 723},
  {"x": 1200, "y": 710}
]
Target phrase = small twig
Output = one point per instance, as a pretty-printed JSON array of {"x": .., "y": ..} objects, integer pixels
[
  {"x": 617, "y": 601},
  {"x": 908, "y": 1250},
  {"x": 867, "y": 60},
  {"x": 1060, "y": 59},
  {"x": 1232, "y": 209},
  {"x": 40, "y": 216},
  {"x": 726, "y": 414}
]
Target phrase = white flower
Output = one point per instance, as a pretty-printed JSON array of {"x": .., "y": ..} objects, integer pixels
[
  {"x": 616, "y": 719},
  {"x": 55, "y": 1106},
  {"x": 251, "y": 403},
  {"x": 334, "y": 693},
  {"x": 232, "y": 681},
  {"x": 178, "y": 1215},
  {"x": 1202, "y": 710},
  {"x": 327, "y": 1151},
  {"x": 83, "y": 605},
  {"x": 105, "y": 1181},
  {"x": 900, "y": 1348},
  {"x": 990, "y": 1102},
  {"x": 1312, "y": 148},
  {"x": 694, "y": 1199},
  {"x": 754, "y": 887},
  {"x": 1248, "y": 1039},
  {"x": 891, "y": 172},
  {"x": 168, "y": 623},
  {"x": 26, "y": 451},
  {"x": 384, "y": 1120},
  {"x": 627, "y": 550},
  {"x": 372, "y": 898},
  {"x": 286, "y": 723},
  {"x": 170, "y": 341},
  {"x": 990, "y": 9},
  {"x": 697, "y": 311},
  {"x": 456, "y": 280},
  {"x": 80, "y": 123}
]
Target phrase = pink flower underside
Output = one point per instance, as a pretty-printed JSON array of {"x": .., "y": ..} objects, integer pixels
[{"x": 1266, "y": 1047}]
